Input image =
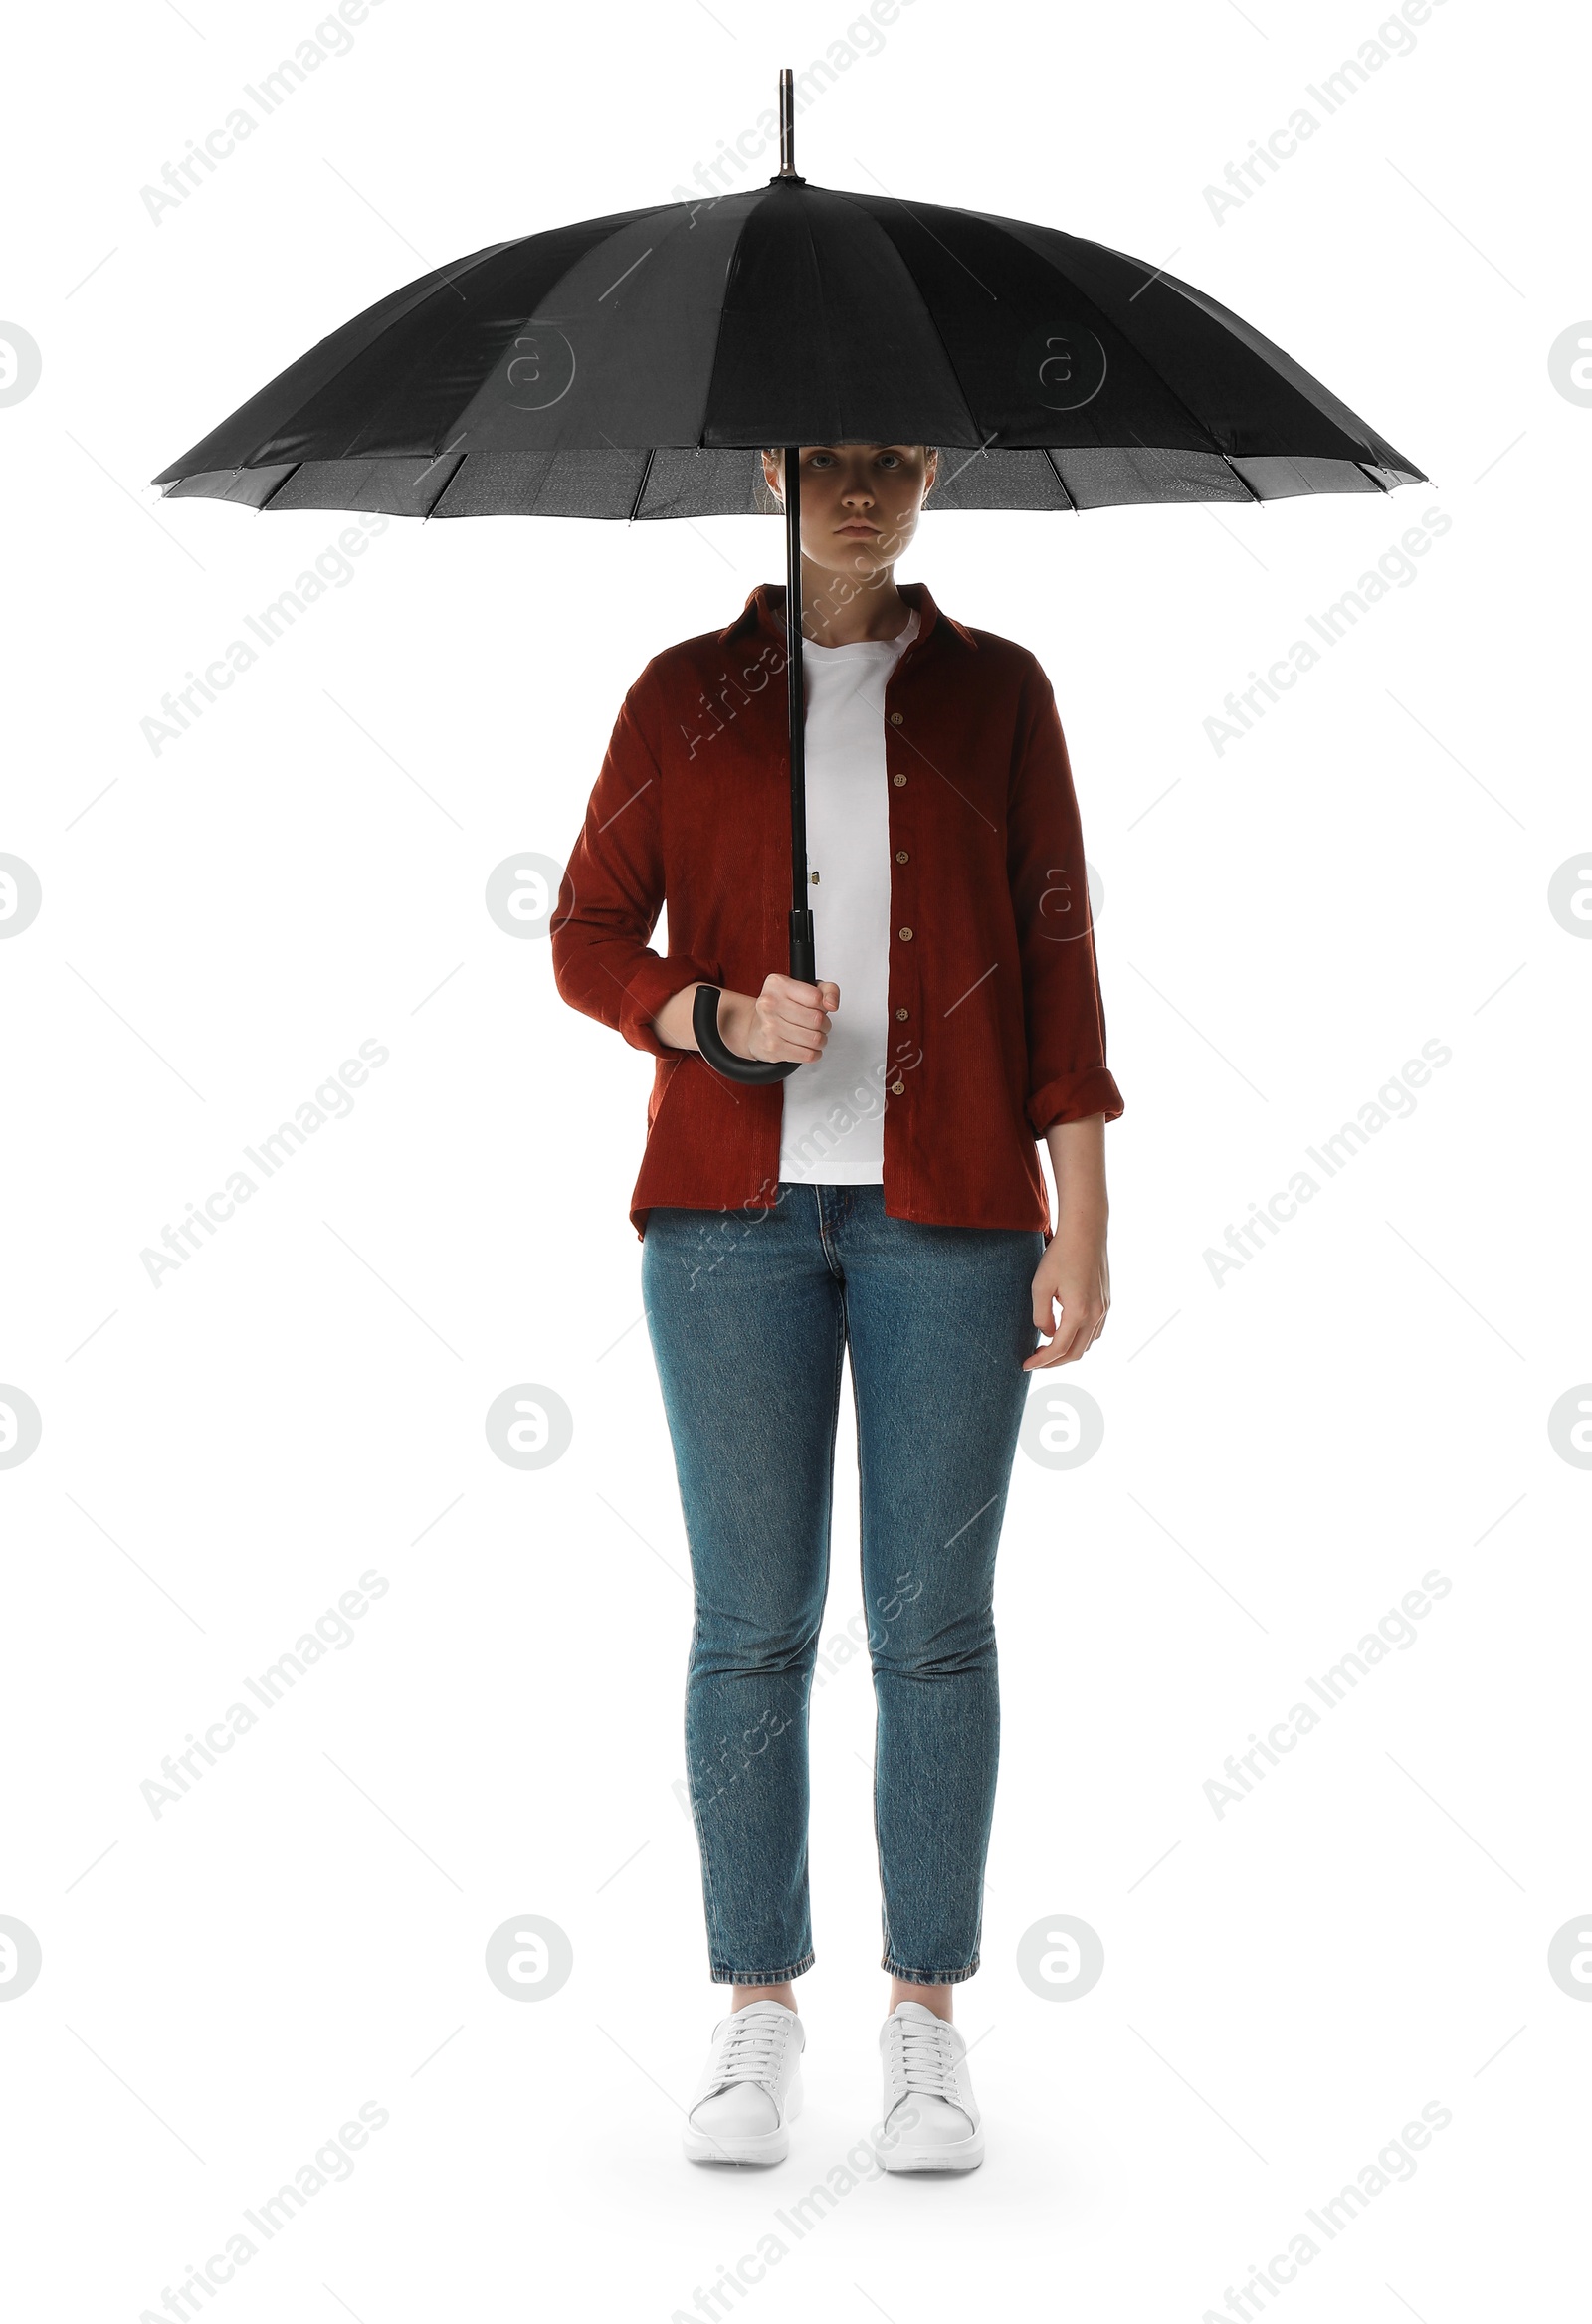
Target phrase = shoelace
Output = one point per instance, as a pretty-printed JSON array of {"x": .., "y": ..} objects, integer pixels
[
  {"x": 750, "y": 2050},
  {"x": 921, "y": 2060}
]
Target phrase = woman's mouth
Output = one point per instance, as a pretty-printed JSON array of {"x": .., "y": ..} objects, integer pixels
[{"x": 863, "y": 530}]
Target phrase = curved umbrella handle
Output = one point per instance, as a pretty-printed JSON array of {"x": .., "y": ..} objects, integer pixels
[{"x": 711, "y": 1042}]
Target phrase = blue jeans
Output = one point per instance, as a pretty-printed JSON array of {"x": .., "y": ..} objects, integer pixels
[{"x": 749, "y": 1314}]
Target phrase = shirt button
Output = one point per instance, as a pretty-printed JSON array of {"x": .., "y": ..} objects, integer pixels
[
  {"x": 898, "y": 781},
  {"x": 898, "y": 1089},
  {"x": 895, "y": 717},
  {"x": 902, "y": 855},
  {"x": 905, "y": 935},
  {"x": 900, "y": 1013}
]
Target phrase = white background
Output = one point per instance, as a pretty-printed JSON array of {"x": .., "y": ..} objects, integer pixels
[{"x": 1285, "y": 1455}]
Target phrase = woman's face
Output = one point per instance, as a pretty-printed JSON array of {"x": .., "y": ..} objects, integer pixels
[{"x": 860, "y": 502}]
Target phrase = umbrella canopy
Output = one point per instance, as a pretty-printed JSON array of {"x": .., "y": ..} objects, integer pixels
[
  {"x": 630, "y": 366},
  {"x": 634, "y": 366}
]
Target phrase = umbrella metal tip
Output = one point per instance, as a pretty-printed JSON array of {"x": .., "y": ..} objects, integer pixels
[{"x": 787, "y": 125}]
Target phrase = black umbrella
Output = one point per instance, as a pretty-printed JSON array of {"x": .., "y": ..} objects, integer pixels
[{"x": 634, "y": 366}]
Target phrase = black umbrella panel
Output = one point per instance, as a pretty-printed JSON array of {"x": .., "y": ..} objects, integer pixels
[{"x": 635, "y": 365}]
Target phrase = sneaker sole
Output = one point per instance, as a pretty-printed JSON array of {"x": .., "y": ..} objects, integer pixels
[
  {"x": 769, "y": 2146},
  {"x": 965, "y": 2155}
]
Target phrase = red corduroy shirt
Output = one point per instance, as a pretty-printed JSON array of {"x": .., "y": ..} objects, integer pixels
[{"x": 995, "y": 1029}]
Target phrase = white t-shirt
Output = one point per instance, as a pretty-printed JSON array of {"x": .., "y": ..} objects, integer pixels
[{"x": 833, "y": 1128}]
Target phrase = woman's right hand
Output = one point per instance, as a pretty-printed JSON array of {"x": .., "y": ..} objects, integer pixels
[{"x": 787, "y": 1020}]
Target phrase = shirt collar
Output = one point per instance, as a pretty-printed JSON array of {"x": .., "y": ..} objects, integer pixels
[{"x": 764, "y": 611}]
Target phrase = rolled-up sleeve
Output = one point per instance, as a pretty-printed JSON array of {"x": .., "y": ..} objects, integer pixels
[
  {"x": 1067, "y": 1076},
  {"x": 613, "y": 891}
]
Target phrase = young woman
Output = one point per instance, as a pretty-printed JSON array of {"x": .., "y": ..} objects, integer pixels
[{"x": 886, "y": 1200}]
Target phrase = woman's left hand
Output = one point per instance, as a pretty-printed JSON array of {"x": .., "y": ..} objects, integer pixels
[{"x": 1073, "y": 1276}]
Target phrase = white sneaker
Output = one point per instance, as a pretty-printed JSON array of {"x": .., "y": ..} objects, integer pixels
[
  {"x": 929, "y": 2094},
  {"x": 751, "y": 2088}
]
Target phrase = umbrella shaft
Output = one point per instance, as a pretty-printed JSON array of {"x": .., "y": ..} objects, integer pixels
[{"x": 801, "y": 919}]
